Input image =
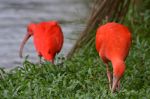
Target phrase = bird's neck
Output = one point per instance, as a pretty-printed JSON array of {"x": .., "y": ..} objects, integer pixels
[{"x": 118, "y": 67}]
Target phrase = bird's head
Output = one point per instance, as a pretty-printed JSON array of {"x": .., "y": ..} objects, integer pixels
[
  {"x": 118, "y": 71},
  {"x": 30, "y": 31},
  {"x": 31, "y": 28},
  {"x": 49, "y": 56}
]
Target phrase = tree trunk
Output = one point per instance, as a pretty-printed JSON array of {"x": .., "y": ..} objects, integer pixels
[{"x": 102, "y": 10}]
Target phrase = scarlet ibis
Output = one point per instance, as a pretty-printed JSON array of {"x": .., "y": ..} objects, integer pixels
[
  {"x": 113, "y": 42},
  {"x": 48, "y": 39}
]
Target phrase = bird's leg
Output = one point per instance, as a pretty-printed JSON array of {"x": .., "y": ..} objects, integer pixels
[
  {"x": 40, "y": 59},
  {"x": 118, "y": 86},
  {"x": 52, "y": 61},
  {"x": 109, "y": 76}
]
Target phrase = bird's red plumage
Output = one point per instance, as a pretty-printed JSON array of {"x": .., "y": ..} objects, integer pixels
[{"x": 113, "y": 40}]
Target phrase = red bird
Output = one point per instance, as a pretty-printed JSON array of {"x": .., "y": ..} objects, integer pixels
[
  {"x": 48, "y": 39},
  {"x": 113, "y": 42}
]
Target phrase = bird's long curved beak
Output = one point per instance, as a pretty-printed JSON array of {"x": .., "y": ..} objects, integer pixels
[
  {"x": 27, "y": 36},
  {"x": 115, "y": 83}
]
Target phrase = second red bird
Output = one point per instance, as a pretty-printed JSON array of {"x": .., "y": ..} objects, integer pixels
[
  {"x": 48, "y": 39},
  {"x": 113, "y": 42}
]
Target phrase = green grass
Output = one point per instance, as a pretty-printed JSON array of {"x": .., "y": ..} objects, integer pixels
[{"x": 84, "y": 76}]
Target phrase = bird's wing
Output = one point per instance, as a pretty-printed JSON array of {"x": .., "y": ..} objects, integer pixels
[{"x": 99, "y": 40}]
